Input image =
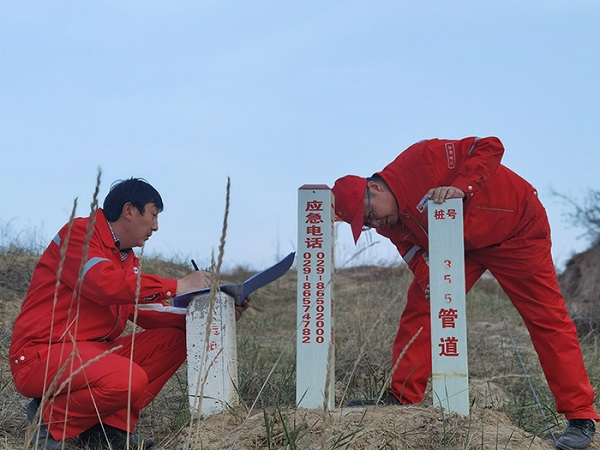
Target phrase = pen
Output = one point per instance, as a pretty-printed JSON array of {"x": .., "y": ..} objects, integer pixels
[{"x": 195, "y": 265}]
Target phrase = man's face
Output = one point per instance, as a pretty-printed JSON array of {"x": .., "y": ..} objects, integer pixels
[
  {"x": 381, "y": 208},
  {"x": 143, "y": 225}
]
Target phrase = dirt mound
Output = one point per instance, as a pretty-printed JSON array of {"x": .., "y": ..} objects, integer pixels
[{"x": 389, "y": 427}]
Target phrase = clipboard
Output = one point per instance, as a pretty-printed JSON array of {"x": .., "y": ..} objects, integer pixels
[{"x": 241, "y": 291}]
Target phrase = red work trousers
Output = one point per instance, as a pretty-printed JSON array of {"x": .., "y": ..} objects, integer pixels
[
  {"x": 523, "y": 267},
  {"x": 100, "y": 391}
]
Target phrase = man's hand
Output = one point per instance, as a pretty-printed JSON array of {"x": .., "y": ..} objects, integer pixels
[
  {"x": 440, "y": 194},
  {"x": 194, "y": 282},
  {"x": 240, "y": 309}
]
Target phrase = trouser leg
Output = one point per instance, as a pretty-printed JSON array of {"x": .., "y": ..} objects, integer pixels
[
  {"x": 523, "y": 266},
  {"x": 409, "y": 380},
  {"x": 159, "y": 352},
  {"x": 99, "y": 390},
  {"x": 554, "y": 338}
]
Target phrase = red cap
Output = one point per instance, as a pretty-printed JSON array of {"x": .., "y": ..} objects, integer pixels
[{"x": 349, "y": 193}]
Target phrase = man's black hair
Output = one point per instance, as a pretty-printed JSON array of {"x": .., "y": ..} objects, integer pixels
[
  {"x": 136, "y": 191},
  {"x": 377, "y": 178}
]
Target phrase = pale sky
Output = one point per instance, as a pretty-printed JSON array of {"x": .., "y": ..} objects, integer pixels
[{"x": 278, "y": 94}]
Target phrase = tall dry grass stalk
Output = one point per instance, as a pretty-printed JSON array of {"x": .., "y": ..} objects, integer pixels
[
  {"x": 402, "y": 353},
  {"x": 50, "y": 390},
  {"x": 77, "y": 290},
  {"x": 138, "y": 287},
  {"x": 36, "y": 422},
  {"x": 63, "y": 254},
  {"x": 215, "y": 283}
]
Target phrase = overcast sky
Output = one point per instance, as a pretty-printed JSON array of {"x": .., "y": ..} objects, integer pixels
[{"x": 278, "y": 94}]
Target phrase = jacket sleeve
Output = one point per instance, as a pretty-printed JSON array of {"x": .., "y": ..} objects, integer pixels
[
  {"x": 480, "y": 159},
  {"x": 104, "y": 282}
]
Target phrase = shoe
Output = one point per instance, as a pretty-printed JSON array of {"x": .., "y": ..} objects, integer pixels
[
  {"x": 105, "y": 437},
  {"x": 42, "y": 439},
  {"x": 578, "y": 435},
  {"x": 389, "y": 400}
]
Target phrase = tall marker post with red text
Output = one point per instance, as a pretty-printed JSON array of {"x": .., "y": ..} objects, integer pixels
[
  {"x": 315, "y": 380},
  {"x": 450, "y": 379}
]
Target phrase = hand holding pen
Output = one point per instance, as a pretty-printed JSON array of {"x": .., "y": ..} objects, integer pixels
[{"x": 199, "y": 279}]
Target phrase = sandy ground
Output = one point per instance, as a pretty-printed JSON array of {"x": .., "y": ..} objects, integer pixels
[{"x": 381, "y": 427}]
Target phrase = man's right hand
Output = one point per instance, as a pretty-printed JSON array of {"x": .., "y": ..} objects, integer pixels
[
  {"x": 239, "y": 310},
  {"x": 194, "y": 282}
]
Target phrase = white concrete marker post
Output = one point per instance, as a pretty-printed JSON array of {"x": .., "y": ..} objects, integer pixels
[
  {"x": 448, "y": 319},
  {"x": 212, "y": 354},
  {"x": 315, "y": 343}
]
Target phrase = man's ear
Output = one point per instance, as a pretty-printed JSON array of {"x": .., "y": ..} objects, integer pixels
[
  {"x": 375, "y": 186},
  {"x": 128, "y": 211}
]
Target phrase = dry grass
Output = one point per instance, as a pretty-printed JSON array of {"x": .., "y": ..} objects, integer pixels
[{"x": 368, "y": 304}]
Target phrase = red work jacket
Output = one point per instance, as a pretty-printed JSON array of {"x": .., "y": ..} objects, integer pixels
[
  {"x": 98, "y": 307},
  {"x": 495, "y": 207}
]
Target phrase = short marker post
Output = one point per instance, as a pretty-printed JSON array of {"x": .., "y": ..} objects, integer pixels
[
  {"x": 450, "y": 375},
  {"x": 315, "y": 378},
  {"x": 211, "y": 354}
]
